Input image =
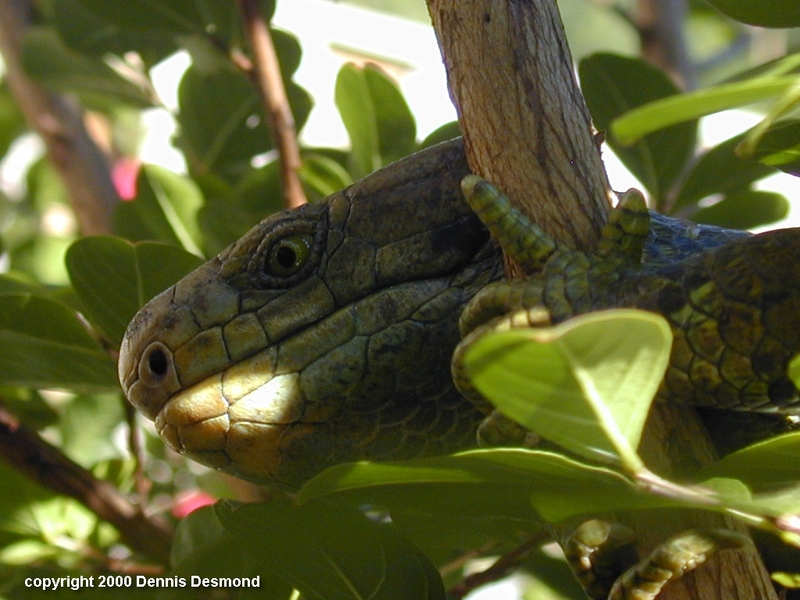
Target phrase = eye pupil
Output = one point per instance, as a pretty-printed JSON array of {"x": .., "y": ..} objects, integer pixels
[{"x": 286, "y": 257}]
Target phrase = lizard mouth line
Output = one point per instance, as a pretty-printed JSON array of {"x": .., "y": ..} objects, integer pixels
[{"x": 157, "y": 359}]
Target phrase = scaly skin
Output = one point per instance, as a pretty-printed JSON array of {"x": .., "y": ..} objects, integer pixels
[
  {"x": 728, "y": 308},
  {"x": 734, "y": 310},
  {"x": 677, "y": 556},
  {"x": 273, "y": 371},
  {"x": 324, "y": 334}
]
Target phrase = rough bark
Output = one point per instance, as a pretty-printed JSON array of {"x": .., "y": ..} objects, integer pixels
[
  {"x": 527, "y": 130},
  {"x": 524, "y": 126}
]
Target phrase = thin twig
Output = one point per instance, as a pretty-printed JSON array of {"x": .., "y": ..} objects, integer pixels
[
  {"x": 458, "y": 563},
  {"x": 266, "y": 75},
  {"x": 499, "y": 569},
  {"x": 77, "y": 159},
  {"x": 24, "y": 450},
  {"x": 143, "y": 484}
]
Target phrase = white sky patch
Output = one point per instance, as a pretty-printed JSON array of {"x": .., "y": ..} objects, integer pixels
[{"x": 339, "y": 33}]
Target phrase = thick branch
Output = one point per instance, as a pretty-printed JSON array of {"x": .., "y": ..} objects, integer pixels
[
  {"x": 266, "y": 73},
  {"x": 77, "y": 159},
  {"x": 28, "y": 453},
  {"x": 524, "y": 120},
  {"x": 527, "y": 129}
]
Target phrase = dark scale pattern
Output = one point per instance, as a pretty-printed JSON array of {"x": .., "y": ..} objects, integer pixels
[
  {"x": 274, "y": 365},
  {"x": 733, "y": 300}
]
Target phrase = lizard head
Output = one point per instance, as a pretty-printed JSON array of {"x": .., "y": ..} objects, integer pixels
[{"x": 322, "y": 336}]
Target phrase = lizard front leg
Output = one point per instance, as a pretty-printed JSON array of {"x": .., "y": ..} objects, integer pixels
[{"x": 562, "y": 283}]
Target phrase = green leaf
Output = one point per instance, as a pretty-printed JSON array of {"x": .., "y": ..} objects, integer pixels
[
  {"x": 177, "y": 16},
  {"x": 554, "y": 484},
  {"x": 48, "y": 60},
  {"x": 202, "y": 17},
  {"x": 29, "y": 406},
  {"x": 612, "y": 86},
  {"x": 764, "y": 13},
  {"x": 258, "y": 193},
  {"x": 397, "y": 129},
  {"x": 773, "y": 462},
  {"x": 222, "y": 126},
  {"x": 219, "y": 219},
  {"x": 376, "y": 116},
  {"x": 323, "y": 175},
  {"x": 720, "y": 171},
  {"x": 231, "y": 210},
  {"x": 202, "y": 547},
  {"x": 18, "y": 283},
  {"x": 788, "y": 580},
  {"x": 87, "y": 426},
  {"x": 44, "y": 345},
  {"x": 333, "y": 552},
  {"x": 441, "y": 519},
  {"x": 12, "y": 123},
  {"x": 585, "y": 384},
  {"x": 744, "y": 209},
  {"x": 27, "y": 551},
  {"x": 154, "y": 30},
  {"x": 662, "y": 113},
  {"x": 784, "y": 503},
  {"x": 780, "y": 147},
  {"x": 793, "y": 370},
  {"x": 114, "y": 278},
  {"x": 165, "y": 210},
  {"x": 446, "y": 132},
  {"x": 86, "y": 31},
  {"x": 783, "y": 106}
]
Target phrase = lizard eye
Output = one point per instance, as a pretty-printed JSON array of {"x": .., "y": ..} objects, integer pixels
[{"x": 288, "y": 254}]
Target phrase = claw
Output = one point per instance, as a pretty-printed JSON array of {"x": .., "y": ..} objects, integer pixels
[
  {"x": 672, "y": 559},
  {"x": 625, "y": 233},
  {"x": 598, "y": 552}
]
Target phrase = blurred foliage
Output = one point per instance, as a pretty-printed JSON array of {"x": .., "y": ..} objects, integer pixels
[{"x": 375, "y": 530}]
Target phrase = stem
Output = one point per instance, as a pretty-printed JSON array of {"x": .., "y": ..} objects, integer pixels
[
  {"x": 143, "y": 484},
  {"x": 24, "y": 450},
  {"x": 266, "y": 75},
  {"x": 499, "y": 569},
  {"x": 661, "y": 25},
  {"x": 79, "y": 162}
]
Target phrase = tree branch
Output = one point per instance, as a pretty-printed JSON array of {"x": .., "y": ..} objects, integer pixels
[
  {"x": 524, "y": 120},
  {"x": 661, "y": 25},
  {"x": 24, "y": 450},
  {"x": 77, "y": 159},
  {"x": 266, "y": 75},
  {"x": 511, "y": 78}
]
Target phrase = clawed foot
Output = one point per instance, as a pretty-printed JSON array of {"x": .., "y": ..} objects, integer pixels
[{"x": 601, "y": 556}]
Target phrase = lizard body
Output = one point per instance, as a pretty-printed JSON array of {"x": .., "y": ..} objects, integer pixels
[{"x": 324, "y": 334}]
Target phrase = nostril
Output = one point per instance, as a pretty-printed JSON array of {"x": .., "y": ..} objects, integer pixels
[{"x": 157, "y": 362}]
